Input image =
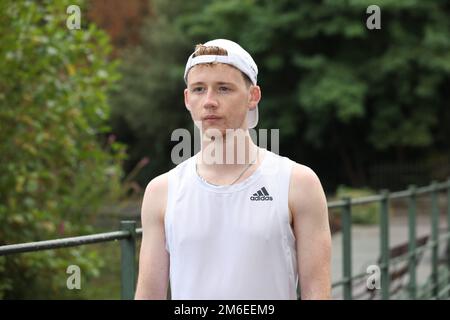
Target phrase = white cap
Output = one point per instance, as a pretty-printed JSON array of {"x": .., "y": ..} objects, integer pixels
[{"x": 236, "y": 57}]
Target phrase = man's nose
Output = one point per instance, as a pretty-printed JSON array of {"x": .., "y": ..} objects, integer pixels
[{"x": 210, "y": 100}]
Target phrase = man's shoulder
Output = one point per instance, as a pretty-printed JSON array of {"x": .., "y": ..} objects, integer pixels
[
  {"x": 157, "y": 187},
  {"x": 299, "y": 171},
  {"x": 182, "y": 166},
  {"x": 154, "y": 199},
  {"x": 160, "y": 182},
  {"x": 304, "y": 182},
  {"x": 303, "y": 174},
  {"x": 305, "y": 186}
]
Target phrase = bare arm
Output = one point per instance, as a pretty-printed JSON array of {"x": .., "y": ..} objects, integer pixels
[
  {"x": 153, "y": 276},
  {"x": 308, "y": 206}
]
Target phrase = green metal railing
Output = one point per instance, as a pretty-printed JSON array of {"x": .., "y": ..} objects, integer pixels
[
  {"x": 440, "y": 289},
  {"x": 129, "y": 234}
]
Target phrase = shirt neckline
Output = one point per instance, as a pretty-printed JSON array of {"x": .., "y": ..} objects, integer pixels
[{"x": 234, "y": 187}]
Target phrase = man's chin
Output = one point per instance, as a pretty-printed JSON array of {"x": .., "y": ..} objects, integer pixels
[{"x": 212, "y": 132}]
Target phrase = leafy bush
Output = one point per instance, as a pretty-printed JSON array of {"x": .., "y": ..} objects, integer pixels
[
  {"x": 361, "y": 214},
  {"x": 54, "y": 171}
]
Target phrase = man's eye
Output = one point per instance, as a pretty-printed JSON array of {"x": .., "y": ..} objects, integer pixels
[
  {"x": 224, "y": 89},
  {"x": 197, "y": 89}
]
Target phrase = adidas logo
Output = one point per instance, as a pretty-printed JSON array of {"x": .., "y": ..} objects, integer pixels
[{"x": 261, "y": 195}]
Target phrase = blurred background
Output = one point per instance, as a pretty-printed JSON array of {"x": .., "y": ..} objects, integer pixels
[{"x": 86, "y": 115}]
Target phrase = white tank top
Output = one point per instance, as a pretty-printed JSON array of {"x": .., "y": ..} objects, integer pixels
[{"x": 231, "y": 242}]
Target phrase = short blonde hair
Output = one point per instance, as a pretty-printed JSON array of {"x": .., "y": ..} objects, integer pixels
[{"x": 202, "y": 50}]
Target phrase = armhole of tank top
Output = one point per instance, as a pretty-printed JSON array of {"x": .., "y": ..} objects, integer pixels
[
  {"x": 285, "y": 181},
  {"x": 171, "y": 183}
]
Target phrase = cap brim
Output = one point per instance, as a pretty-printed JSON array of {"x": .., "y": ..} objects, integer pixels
[{"x": 252, "y": 118}]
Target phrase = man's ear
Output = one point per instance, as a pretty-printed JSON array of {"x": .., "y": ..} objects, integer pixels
[
  {"x": 255, "y": 96},
  {"x": 186, "y": 99}
]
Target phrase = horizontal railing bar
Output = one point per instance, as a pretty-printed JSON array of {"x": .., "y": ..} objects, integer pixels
[
  {"x": 445, "y": 236},
  {"x": 366, "y": 200},
  {"x": 439, "y": 186},
  {"x": 416, "y": 252},
  {"x": 400, "y": 194},
  {"x": 444, "y": 290},
  {"x": 393, "y": 195},
  {"x": 65, "y": 242},
  {"x": 340, "y": 282},
  {"x": 336, "y": 204},
  {"x": 432, "y": 285},
  {"x": 429, "y": 287},
  {"x": 359, "y": 275}
]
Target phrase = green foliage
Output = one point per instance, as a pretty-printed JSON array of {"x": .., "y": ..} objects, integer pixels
[
  {"x": 328, "y": 82},
  {"x": 148, "y": 104},
  {"x": 361, "y": 214},
  {"x": 54, "y": 171}
]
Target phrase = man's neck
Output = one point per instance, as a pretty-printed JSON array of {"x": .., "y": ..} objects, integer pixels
[{"x": 227, "y": 153}]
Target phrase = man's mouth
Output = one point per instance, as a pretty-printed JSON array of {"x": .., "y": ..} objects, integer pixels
[{"x": 211, "y": 117}]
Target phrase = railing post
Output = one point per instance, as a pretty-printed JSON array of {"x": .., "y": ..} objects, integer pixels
[
  {"x": 384, "y": 244},
  {"x": 448, "y": 233},
  {"x": 412, "y": 242},
  {"x": 435, "y": 239},
  {"x": 347, "y": 248},
  {"x": 128, "y": 260}
]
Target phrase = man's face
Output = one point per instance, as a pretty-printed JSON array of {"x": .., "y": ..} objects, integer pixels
[{"x": 218, "y": 97}]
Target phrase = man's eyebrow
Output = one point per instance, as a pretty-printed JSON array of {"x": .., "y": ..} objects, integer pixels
[{"x": 196, "y": 83}]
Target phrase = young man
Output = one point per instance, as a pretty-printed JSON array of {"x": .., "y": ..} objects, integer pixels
[{"x": 244, "y": 224}]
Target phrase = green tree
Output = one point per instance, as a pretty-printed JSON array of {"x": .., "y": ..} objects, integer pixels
[
  {"x": 336, "y": 88},
  {"x": 56, "y": 167},
  {"x": 148, "y": 104}
]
